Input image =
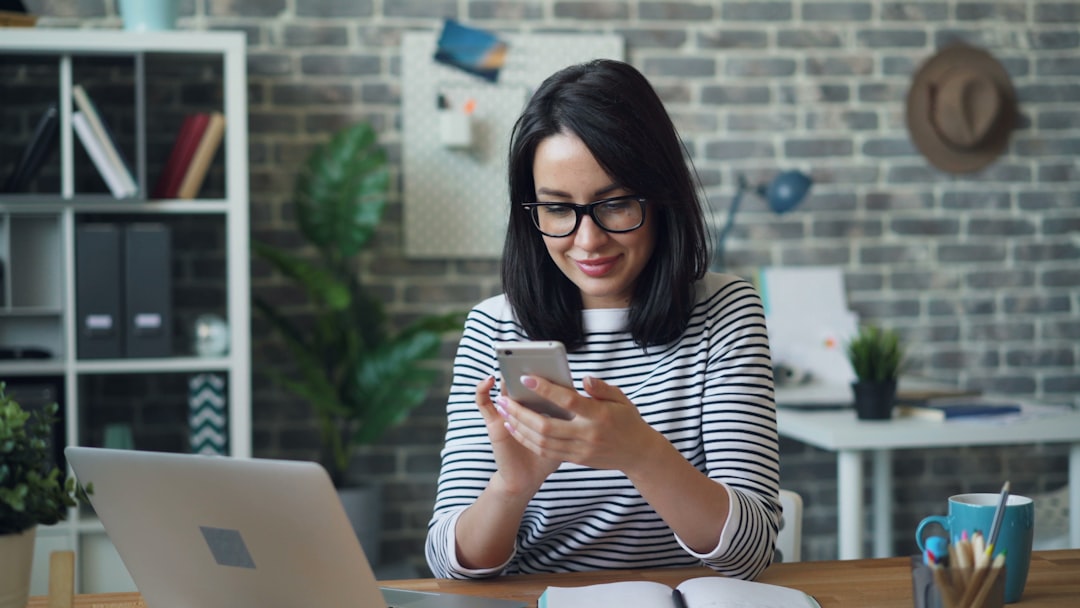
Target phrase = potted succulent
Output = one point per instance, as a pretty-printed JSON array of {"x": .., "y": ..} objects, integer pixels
[
  {"x": 32, "y": 493},
  {"x": 877, "y": 357},
  {"x": 358, "y": 375}
]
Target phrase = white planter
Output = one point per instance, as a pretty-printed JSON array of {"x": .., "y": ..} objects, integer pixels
[
  {"x": 16, "y": 560},
  {"x": 363, "y": 505},
  {"x": 149, "y": 15}
]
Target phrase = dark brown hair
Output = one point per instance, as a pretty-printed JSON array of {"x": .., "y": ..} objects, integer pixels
[{"x": 614, "y": 110}]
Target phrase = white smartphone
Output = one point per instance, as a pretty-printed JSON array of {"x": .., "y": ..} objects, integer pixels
[{"x": 546, "y": 359}]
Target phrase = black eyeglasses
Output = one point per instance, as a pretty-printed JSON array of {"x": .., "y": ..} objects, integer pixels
[{"x": 616, "y": 214}]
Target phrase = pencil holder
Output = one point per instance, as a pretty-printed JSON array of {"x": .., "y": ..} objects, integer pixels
[
  {"x": 455, "y": 129},
  {"x": 927, "y": 593}
]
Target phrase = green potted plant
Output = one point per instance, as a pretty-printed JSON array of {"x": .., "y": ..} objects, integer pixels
[
  {"x": 358, "y": 375},
  {"x": 32, "y": 492},
  {"x": 877, "y": 358}
]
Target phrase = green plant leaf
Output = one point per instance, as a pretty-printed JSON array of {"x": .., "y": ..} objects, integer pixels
[
  {"x": 394, "y": 383},
  {"x": 31, "y": 490},
  {"x": 341, "y": 192},
  {"x": 876, "y": 354},
  {"x": 323, "y": 287}
]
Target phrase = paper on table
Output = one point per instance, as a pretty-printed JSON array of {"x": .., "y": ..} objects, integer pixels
[
  {"x": 719, "y": 592},
  {"x": 809, "y": 321},
  {"x": 614, "y": 595},
  {"x": 797, "y": 290}
]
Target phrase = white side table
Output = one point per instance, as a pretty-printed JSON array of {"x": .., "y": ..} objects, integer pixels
[{"x": 841, "y": 432}]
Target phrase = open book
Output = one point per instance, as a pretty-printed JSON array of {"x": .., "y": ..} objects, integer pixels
[{"x": 702, "y": 592}]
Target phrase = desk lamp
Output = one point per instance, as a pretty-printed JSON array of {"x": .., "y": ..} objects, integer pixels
[{"x": 783, "y": 194}]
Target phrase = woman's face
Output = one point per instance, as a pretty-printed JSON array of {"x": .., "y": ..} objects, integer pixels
[{"x": 603, "y": 265}]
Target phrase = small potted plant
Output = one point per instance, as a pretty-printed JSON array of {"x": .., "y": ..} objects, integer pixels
[
  {"x": 32, "y": 493},
  {"x": 877, "y": 357}
]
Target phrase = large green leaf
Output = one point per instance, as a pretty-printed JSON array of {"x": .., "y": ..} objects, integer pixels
[
  {"x": 321, "y": 285},
  {"x": 314, "y": 384},
  {"x": 392, "y": 382},
  {"x": 341, "y": 192}
]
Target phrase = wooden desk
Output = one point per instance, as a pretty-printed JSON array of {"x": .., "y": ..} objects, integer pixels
[{"x": 1054, "y": 581}]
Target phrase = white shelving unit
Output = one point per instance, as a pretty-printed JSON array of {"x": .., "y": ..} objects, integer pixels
[{"x": 37, "y": 236}]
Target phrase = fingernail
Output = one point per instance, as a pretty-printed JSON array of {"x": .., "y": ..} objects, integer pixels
[
  {"x": 509, "y": 429},
  {"x": 500, "y": 400},
  {"x": 529, "y": 382},
  {"x": 502, "y": 412}
]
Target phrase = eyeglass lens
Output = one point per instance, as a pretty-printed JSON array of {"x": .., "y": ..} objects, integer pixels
[{"x": 613, "y": 215}]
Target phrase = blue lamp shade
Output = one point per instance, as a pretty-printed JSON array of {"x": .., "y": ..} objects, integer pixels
[{"x": 786, "y": 191}]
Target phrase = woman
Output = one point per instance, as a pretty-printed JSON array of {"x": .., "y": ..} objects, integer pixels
[{"x": 671, "y": 458}]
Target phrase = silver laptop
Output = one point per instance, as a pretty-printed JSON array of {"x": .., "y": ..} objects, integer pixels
[{"x": 213, "y": 532}]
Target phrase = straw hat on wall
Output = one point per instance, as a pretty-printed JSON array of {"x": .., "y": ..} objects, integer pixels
[{"x": 961, "y": 109}]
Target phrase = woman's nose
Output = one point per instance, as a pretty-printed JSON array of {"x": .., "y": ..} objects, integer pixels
[{"x": 589, "y": 236}]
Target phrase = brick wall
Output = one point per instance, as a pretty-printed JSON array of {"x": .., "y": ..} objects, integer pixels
[{"x": 980, "y": 273}]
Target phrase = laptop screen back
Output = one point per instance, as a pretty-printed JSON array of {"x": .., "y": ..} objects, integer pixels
[{"x": 213, "y": 532}]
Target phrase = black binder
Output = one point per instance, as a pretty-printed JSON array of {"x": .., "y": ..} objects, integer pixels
[
  {"x": 98, "y": 291},
  {"x": 148, "y": 290}
]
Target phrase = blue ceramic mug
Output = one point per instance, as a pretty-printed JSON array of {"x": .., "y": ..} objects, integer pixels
[{"x": 975, "y": 512}]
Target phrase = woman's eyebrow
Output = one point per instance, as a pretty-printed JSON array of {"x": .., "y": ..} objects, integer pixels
[{"x": 597, "y": 194}]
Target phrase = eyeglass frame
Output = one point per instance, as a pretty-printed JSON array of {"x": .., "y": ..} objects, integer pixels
[{"x": 581, "y": 210}]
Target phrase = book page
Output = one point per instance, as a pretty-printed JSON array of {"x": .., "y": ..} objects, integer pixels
[
  {"x": 629, "y": 594},
  {"x": 720, "y": 592}
]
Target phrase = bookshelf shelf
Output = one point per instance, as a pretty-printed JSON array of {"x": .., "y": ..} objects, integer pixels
[
  {"x": 96, "y": 203},
  {"x": 151, "y": 366},
  {"x": 141, "y": 85},
  {"x": 31, "y": 311},
  {"x": 30, "y": 368}
]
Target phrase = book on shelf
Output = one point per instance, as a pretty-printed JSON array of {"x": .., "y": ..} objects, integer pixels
[
  {"x": 106, "y": 141},
  {"x": 41, "y": 146},
  {"x": 957, "y": 408},
  {"x": 204, "y": 153},
  {"x": 183, "y": 150},
  {"x": 98, "y": 155},
  {"x": 701, "y": 592}
]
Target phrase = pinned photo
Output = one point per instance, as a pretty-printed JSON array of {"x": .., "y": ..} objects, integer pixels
[{"x": 473, "y": 50}]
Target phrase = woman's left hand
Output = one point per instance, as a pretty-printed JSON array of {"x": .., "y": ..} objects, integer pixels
[{"x": 607, "y": 431}]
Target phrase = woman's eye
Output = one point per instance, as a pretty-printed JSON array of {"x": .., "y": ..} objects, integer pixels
[
  {"x": 557, "y": 210},
  {"x": 615, "y": 207}
]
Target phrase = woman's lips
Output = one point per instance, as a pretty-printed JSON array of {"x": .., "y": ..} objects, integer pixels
[{"x": 598, "y": 267}]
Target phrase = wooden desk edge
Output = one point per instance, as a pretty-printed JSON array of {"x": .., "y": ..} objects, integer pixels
[{"x": 1054, "y": 580}]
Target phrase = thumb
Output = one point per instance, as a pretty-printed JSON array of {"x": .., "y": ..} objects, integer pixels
[{"x": 598, "y": 389}]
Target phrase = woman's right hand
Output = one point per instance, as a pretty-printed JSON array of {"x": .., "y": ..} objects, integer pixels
[{"x": 520, "y": 470}]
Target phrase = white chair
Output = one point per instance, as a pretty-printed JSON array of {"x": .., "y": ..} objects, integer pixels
[
  {"x": 789, "y": 538},
  {"x": 1052, "y": 519}
]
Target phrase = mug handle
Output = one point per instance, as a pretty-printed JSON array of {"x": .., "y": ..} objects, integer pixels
[{"x": 933, "y": 519}]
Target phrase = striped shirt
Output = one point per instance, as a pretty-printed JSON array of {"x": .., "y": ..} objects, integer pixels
[{"x": 709, "y": 393}]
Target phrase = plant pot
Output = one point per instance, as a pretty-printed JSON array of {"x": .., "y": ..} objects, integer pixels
[
  {"x": 16, "y": 560},
  {"x": 874, "y": 400},
  {"x": 363, "y": 506},
  {"x": 149, "y": 15}
]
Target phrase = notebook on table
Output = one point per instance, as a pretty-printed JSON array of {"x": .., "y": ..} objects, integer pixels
[{"x": 218, "y": 532}]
